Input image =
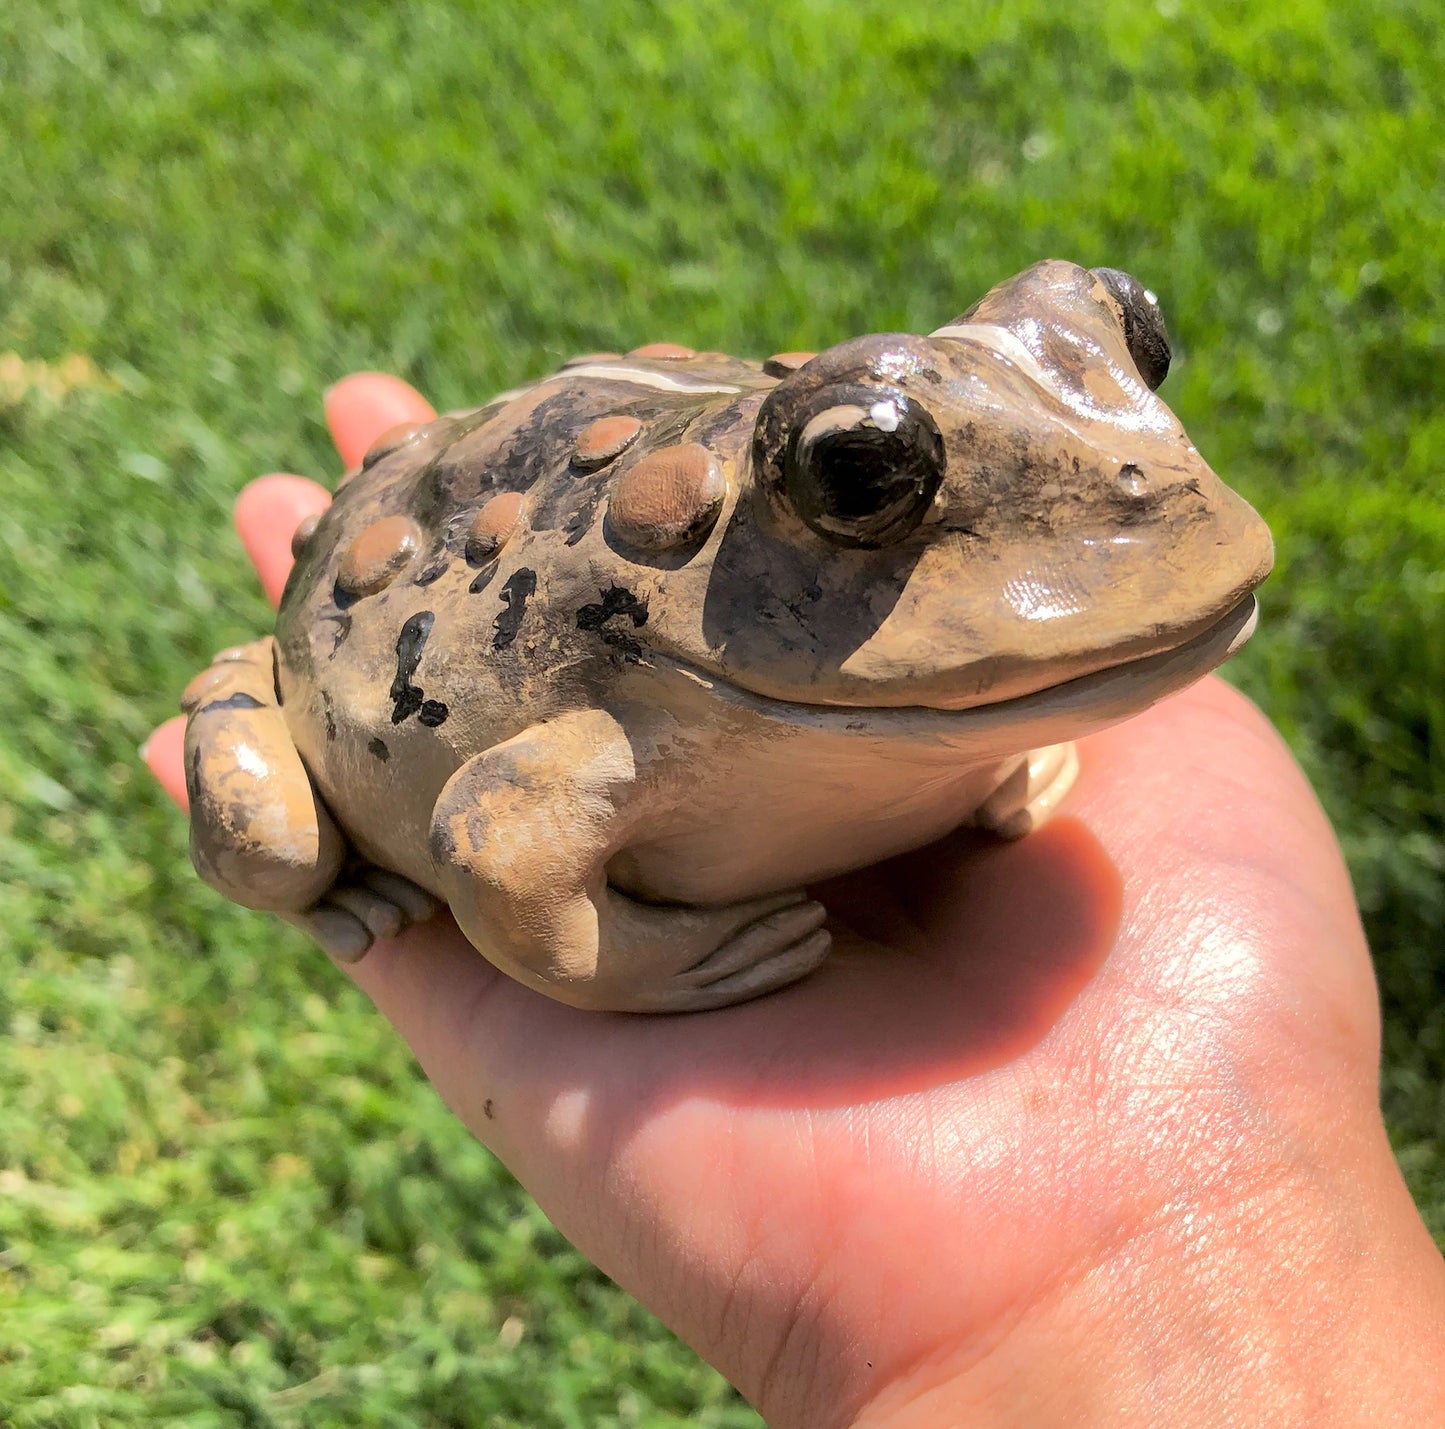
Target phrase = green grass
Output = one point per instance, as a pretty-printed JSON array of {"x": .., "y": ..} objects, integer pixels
[{"x": 226, "y": 1197}]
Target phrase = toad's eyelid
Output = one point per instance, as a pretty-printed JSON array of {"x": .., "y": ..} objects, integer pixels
[{"x": 1000, "y": 341}]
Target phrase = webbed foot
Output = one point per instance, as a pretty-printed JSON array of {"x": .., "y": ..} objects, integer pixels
[
  {"x": 364, "y": 904},
  {"x": 1031, "y": 793}
]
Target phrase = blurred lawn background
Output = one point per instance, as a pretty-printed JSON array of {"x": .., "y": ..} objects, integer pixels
[{"x": 226, "y": 1196}]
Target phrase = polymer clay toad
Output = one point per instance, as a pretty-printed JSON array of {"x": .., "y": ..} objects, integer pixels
[{"x": 619, "y": 663}]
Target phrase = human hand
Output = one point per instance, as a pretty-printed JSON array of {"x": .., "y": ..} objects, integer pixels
[{"x": 1083, "y": 1128}]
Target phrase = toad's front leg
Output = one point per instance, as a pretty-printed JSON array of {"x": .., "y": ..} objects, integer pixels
[
  {"x": 521, "y": 839},
  {"x": 259, "y": 831}
]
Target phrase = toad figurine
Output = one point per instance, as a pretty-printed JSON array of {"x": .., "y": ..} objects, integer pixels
[{"x": 619, "y": 663}]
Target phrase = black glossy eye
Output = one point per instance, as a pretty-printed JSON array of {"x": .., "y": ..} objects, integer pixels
[
  {"x": 864, "y": 469},
  {"x": 1144, "y": 330}
]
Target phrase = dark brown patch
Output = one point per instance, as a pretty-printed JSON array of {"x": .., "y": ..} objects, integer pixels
[
  {"x": 200, "y": 686},
  {"x": 616, "y": 601},
  {"x": 435, "y": 568},
  {"x": 338, "y": 636},
  {"x": 239, "y": 701},
  {"x": 407, "y": 697}
]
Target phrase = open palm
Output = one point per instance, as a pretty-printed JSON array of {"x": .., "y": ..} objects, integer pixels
[{"x": 1042, "y": 1102}]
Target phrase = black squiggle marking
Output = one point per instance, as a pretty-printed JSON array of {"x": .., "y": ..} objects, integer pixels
[
  {"x": 408, "y": 701},
  {"x": 378, "y": 748},
  {"x": 616, "y": 600},
  {"x": 432, "y": 713},
  {"x": 328, "y": 715},
  {"x": 520, "y": 587},
  {"x": 623, "y": 643},
  {"x": 238, "y": 701},
  {"x": 434, "y": 568},
  {"x": 343, "y": 629},
  {"x": 409, "y": 646}
]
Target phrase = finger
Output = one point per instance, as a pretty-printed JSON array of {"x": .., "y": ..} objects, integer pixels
[
  {"x": 162, "y": 755},
  {"x": 361, "y": 407},
  {"x": 268, "y": 511}
]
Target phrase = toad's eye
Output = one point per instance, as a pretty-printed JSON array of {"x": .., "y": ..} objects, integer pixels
[
  {"x": 864, "y": 471},
  {"x": 1144, "y": 330}
]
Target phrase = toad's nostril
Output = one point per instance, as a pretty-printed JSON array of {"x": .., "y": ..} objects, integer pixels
[{"x": 1131, "y": 480}]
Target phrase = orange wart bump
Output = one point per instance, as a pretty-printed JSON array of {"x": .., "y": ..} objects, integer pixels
[
  {"x": 780, "y": 364},
  {"x": 667, "y": 499},
  {"x": 600, "y": 441},
  {"x": 491, "y": 526},
  {"x": 664, "y": 352},
  {"x": 391, "y": 440},
  {"x": 377, "y": 555}
]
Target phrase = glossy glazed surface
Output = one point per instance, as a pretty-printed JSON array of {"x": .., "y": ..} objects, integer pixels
[{"x": 667, "y": 636}]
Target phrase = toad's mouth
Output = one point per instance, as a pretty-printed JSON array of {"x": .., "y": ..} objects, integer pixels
[{"x": 1066, "y": 710}]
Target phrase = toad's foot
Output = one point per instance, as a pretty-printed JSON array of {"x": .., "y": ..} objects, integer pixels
[
  {"x": 364, "y": 904},
  {"x": 259, "y": 831},
  {"x": 521, "y": 838},
  {"x": 1031, "y": 793}
]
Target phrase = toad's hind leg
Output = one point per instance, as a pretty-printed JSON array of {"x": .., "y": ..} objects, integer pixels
[
  {"x": 521, "y": 837},
  {"x": 1031, "y": 793},
  {"x": 259, "y": 831}
]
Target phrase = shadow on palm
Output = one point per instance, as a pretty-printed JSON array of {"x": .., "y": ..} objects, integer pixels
[{"x": 948, "y": 963}]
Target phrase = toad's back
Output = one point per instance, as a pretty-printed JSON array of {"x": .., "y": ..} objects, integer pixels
[{"x": 458, "y": 589}]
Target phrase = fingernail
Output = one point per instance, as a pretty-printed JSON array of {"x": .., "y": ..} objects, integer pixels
[{"x": 144, "y": 752}]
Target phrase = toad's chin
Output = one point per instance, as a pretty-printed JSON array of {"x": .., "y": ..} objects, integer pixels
[
  {"x": 1114, "y": 693},
  {"x": 1067, "y": 710}
]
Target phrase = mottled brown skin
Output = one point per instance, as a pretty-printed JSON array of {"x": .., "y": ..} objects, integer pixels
[{"x": 620, "y": 662}]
